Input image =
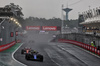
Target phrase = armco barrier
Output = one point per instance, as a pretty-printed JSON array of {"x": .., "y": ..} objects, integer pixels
[
  {"x": 6, "y": 46},
  {"x": 85, "y": 46}
]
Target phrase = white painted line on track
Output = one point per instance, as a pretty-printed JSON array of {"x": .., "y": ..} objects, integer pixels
[
  {"x": 70, "y": 53},
  {"x": 88, "y": 52},
  {"x": 81, "y": 49},
  {"x": 15, "y": 59},
  {"x": 62, "y": 48},
  {"x": 52, "y": 59}
]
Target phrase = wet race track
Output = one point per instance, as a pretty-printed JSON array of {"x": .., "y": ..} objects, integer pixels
[{"x": 55, "y": 54}]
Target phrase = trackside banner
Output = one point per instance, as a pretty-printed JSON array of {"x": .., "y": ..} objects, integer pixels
[
  {"x": 49, "y": 28},
  {"x": 6, "y": 46},
  {"x": 32, "y": 27}
]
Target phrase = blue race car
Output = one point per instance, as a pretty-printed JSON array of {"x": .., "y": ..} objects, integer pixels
[{"x": 33, "y": 55}]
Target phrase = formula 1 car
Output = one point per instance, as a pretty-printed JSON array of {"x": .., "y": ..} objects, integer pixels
[
  {"x": 31, "y": 41},
  {"x": 25, "y": 50},
  {"x": 33, "y": 55}
]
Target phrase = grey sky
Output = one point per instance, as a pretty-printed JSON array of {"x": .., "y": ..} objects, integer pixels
[{"x": 51, "y": 8}]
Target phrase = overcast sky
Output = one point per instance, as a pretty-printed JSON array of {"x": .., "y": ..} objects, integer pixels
[{"x": 52, "y": 8}]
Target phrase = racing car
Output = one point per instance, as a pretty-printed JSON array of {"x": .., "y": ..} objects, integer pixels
[
  {"x": 33, "y": 55},
  {"x": 25, "y": 50}
]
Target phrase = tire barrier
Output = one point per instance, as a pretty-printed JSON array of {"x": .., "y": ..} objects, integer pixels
[
  {"x": 80, "y": 44},
  {"x": 6, "y": 46}
]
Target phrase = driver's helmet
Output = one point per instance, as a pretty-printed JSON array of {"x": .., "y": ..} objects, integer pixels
[
  {"x": 27, "y": 48},
  {"x": 33, "y": 51}
]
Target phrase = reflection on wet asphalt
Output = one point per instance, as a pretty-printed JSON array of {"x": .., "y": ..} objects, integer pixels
[
  {"x": 56, "y": 54},
  {"x": 6, "y": 60}
]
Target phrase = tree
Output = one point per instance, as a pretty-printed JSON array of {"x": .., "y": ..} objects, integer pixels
[{"x": 15, "y": 8}]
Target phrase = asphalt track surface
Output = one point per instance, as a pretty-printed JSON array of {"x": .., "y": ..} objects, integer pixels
[
  {"x": 55, "y": 54},
  {"x": 6, "y": 58}
]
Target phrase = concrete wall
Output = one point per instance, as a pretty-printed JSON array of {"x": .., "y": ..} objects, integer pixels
[{"x": 6, "y": 28}]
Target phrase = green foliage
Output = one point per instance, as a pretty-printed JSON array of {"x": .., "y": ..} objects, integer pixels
[{"x": 35, "y": 21}]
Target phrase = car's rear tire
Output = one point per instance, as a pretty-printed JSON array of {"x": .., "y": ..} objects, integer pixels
[
  {"x": 41, "y": 58},
  {"x": 22, "y": 52},
  {"x": 27, "y": 57}
]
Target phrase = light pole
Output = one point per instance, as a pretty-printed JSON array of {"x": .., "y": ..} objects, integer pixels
[
  {"x": 89, "y": 7},
  {"x": 62, "y": 21}
]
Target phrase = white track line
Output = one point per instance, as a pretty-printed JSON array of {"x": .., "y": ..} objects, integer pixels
[
  {"x": 52, "y": 59},
  {"x": 83, "y": 50},
  {"x": 88, "y": 52},
  {"x": 70, "y": 53},
  {"x": 15, "y": 59}
]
